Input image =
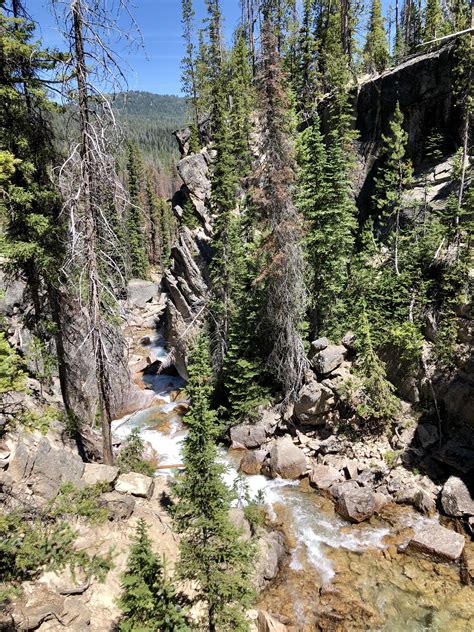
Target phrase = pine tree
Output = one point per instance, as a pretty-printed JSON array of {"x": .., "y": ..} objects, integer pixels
[
  {"x": 395, "y": 176},
  {"x": 212, "y": 552},
  {"x": 304, "y": 80},
  {"x": 433, "y": 20},
  {"x": 135, "y": 220},
  {"x": 410, "y": 27},
  {"x": 376, "y": 55},
  {"x": 188, "y": 76},
  {"x": 153, "y": 208},
  {"x": 376, "y": 395},
  {"x": 149, "y": 601}
]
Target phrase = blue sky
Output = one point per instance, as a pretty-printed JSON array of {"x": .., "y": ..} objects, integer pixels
[{"x": 157, "y": 68}]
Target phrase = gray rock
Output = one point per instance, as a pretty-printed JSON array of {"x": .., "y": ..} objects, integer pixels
[
  {"x": 98, "y": 473},
  {"x": 356, "y": 505},
  {"x": 238, "y": 519},
  {"x": 456, "y": 498},
  {"x": 329, "y": 359},
  {"x": 425, "y": 503},
  {"x": 319, "y": 345},
  {"x": 267, "y": 623},
  {"x": 135, "y": 485},
  {"x": 194, "y": 172},
  {"x": 324, "y": 476},
  {"x": 119, "y": 506},
  {"x": 352, "y": 469},
  {"x": 247, "y": 436},
  {"x": 314, "y": 401},
  {"x": 427, "y": 435},
  {"x": 53, "y": 467},
  {"x": 252, "y": 462},
  {"x": 437, "y": 543},
  {"x": 286, "y": 459},
  {"x": 270, "y": 554},
  {"x": 340, "y": 488},
  {"x": 142, "y": 292},
  {"x": 12, "y": 294},
  {"x": 349, "y": 340},
  {"x": 461, "y": 458}
]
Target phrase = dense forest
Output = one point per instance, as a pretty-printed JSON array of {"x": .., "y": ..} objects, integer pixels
[{"x": 290, "y": 274}]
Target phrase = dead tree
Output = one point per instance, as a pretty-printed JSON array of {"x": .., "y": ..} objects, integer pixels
[
  {"x": 90, "y": 187},
  {"x": 285, "y": 297}
]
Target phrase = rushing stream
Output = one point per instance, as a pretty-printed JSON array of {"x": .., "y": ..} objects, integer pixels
[{"x": 355, "y": 571}]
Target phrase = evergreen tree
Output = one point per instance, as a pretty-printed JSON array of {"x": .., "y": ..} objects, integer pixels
[
  {"x": 393, "y": 179},
  {"x": 376, "y": 395},
  {"x": 149, "y": 601},
  {"x": 304, "y": 80},
  {"x": 188, "y": 76},
  {"x": 410, "y": 28},
  {"x": 434, "y": 21},
  {"x": 135, "y": 219},
  {"x": 153, "y": 208},
  {"x": 376, "y": 55},
  {"x": 212, "y": 552}
]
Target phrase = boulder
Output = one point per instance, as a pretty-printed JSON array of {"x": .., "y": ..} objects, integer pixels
[
  {"x": 324, "y": 476},
  {"x": 351, "y": 469},
  {"x": 247, "y": 436},
  {"x": 252, "y": 462},
  {"x": 329, "y": 359},
  {"x": 270, "y": 554},
  {"x": 338, "y": 489},
  {"x": 427, "y": 435},
  {"x": 141, "y": 292},
  {"x": 456, "y": 498},
  {"x": 318, "y": 345},
  {"x": 286, "y": 459},
  {"x": 425, "y": 503},
  {"x": 437, "y": 543},
  {"x": 267, "y": 623},
  {"x": 12, "y": 294},
  {"x": 238, "y": 519},
  {"x": 98, "y": 473},
  {"x": 135, "y": 485},
  {"x": 314, "y": 400},
  {"x": 356, "y": 505},
  {"x": 119, "y": 506},
  {"x": 349, "y": 340}
]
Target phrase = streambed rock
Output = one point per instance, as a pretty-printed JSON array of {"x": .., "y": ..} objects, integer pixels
[
  {"x": 247, "y": 436},
  {"x": 271, "y": 552},
  {"x": 456, "y": 498},
  {"x": 324, "y": 476},
  {"x": 356, "y": 505},
  {"x": 267, "y": 623},
  {"x": 437, "y": 543},
  {"x": 252, "y": 462},
  {"x": 286, "y": 459}
]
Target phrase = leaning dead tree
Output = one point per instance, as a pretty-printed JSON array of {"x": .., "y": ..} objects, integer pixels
[{"x": 94, "y": 201}]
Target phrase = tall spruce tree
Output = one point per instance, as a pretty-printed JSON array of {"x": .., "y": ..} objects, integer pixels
[
  {"x": 304, "y": 80},
  {"x": 283, "y": 277},
  {"x": 149, "y": 601},
  {"x": 376, "y": 55},
  {"x": 212, "y": 551},
  {"x": 434, "y": 22},
  {"x": 395, "y": 175}
]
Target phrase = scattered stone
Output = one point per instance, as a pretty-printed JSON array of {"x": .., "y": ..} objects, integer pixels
[
  {"x": 287, "y": 460},
  {"x": 427, "y": 435},
  {"x": 97, "y": 473},
  {"x": 438, "y": 543},
  {"x": 324, "y": 476},
  {"x": 456, "y": 498},
  {"x": 351, "y": 469},
  {"x": 425, "y": 503},
  {"x": 252, "y": 462},
  {"x": 380, "y": 501},
  {"x": 135, "y": 485},
  {"x": 329, "y": 359},
  {"x": 314, "y": 400},
  {"x": 349, "y": 340},
  {"x": 356, "y": 505},
  {"x": 267, "y": 623},
  {"x": 247, "y": 436},
  {"x": 119, "y": 506}
]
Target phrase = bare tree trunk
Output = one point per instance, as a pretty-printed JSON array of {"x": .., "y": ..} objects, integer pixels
[{"x": 90, "y": 232}]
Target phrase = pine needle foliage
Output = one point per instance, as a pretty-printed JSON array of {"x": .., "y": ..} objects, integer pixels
[
  {"x": 149, "y": 601},
  {"x": 376, "y": 55},
  {"x": 135, "y": 220},
  {"x": 212, "y": 552}
]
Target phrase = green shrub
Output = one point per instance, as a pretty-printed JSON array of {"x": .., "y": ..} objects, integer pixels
[{"x": 82, "y": 502}]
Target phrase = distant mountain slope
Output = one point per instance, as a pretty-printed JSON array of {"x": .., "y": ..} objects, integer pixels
[{"x": 150, "y": 119}]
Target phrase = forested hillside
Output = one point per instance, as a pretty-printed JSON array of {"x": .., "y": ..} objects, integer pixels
[
  {"x": 237, "y": 392},
  {"x": 150, "y": 120}
]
